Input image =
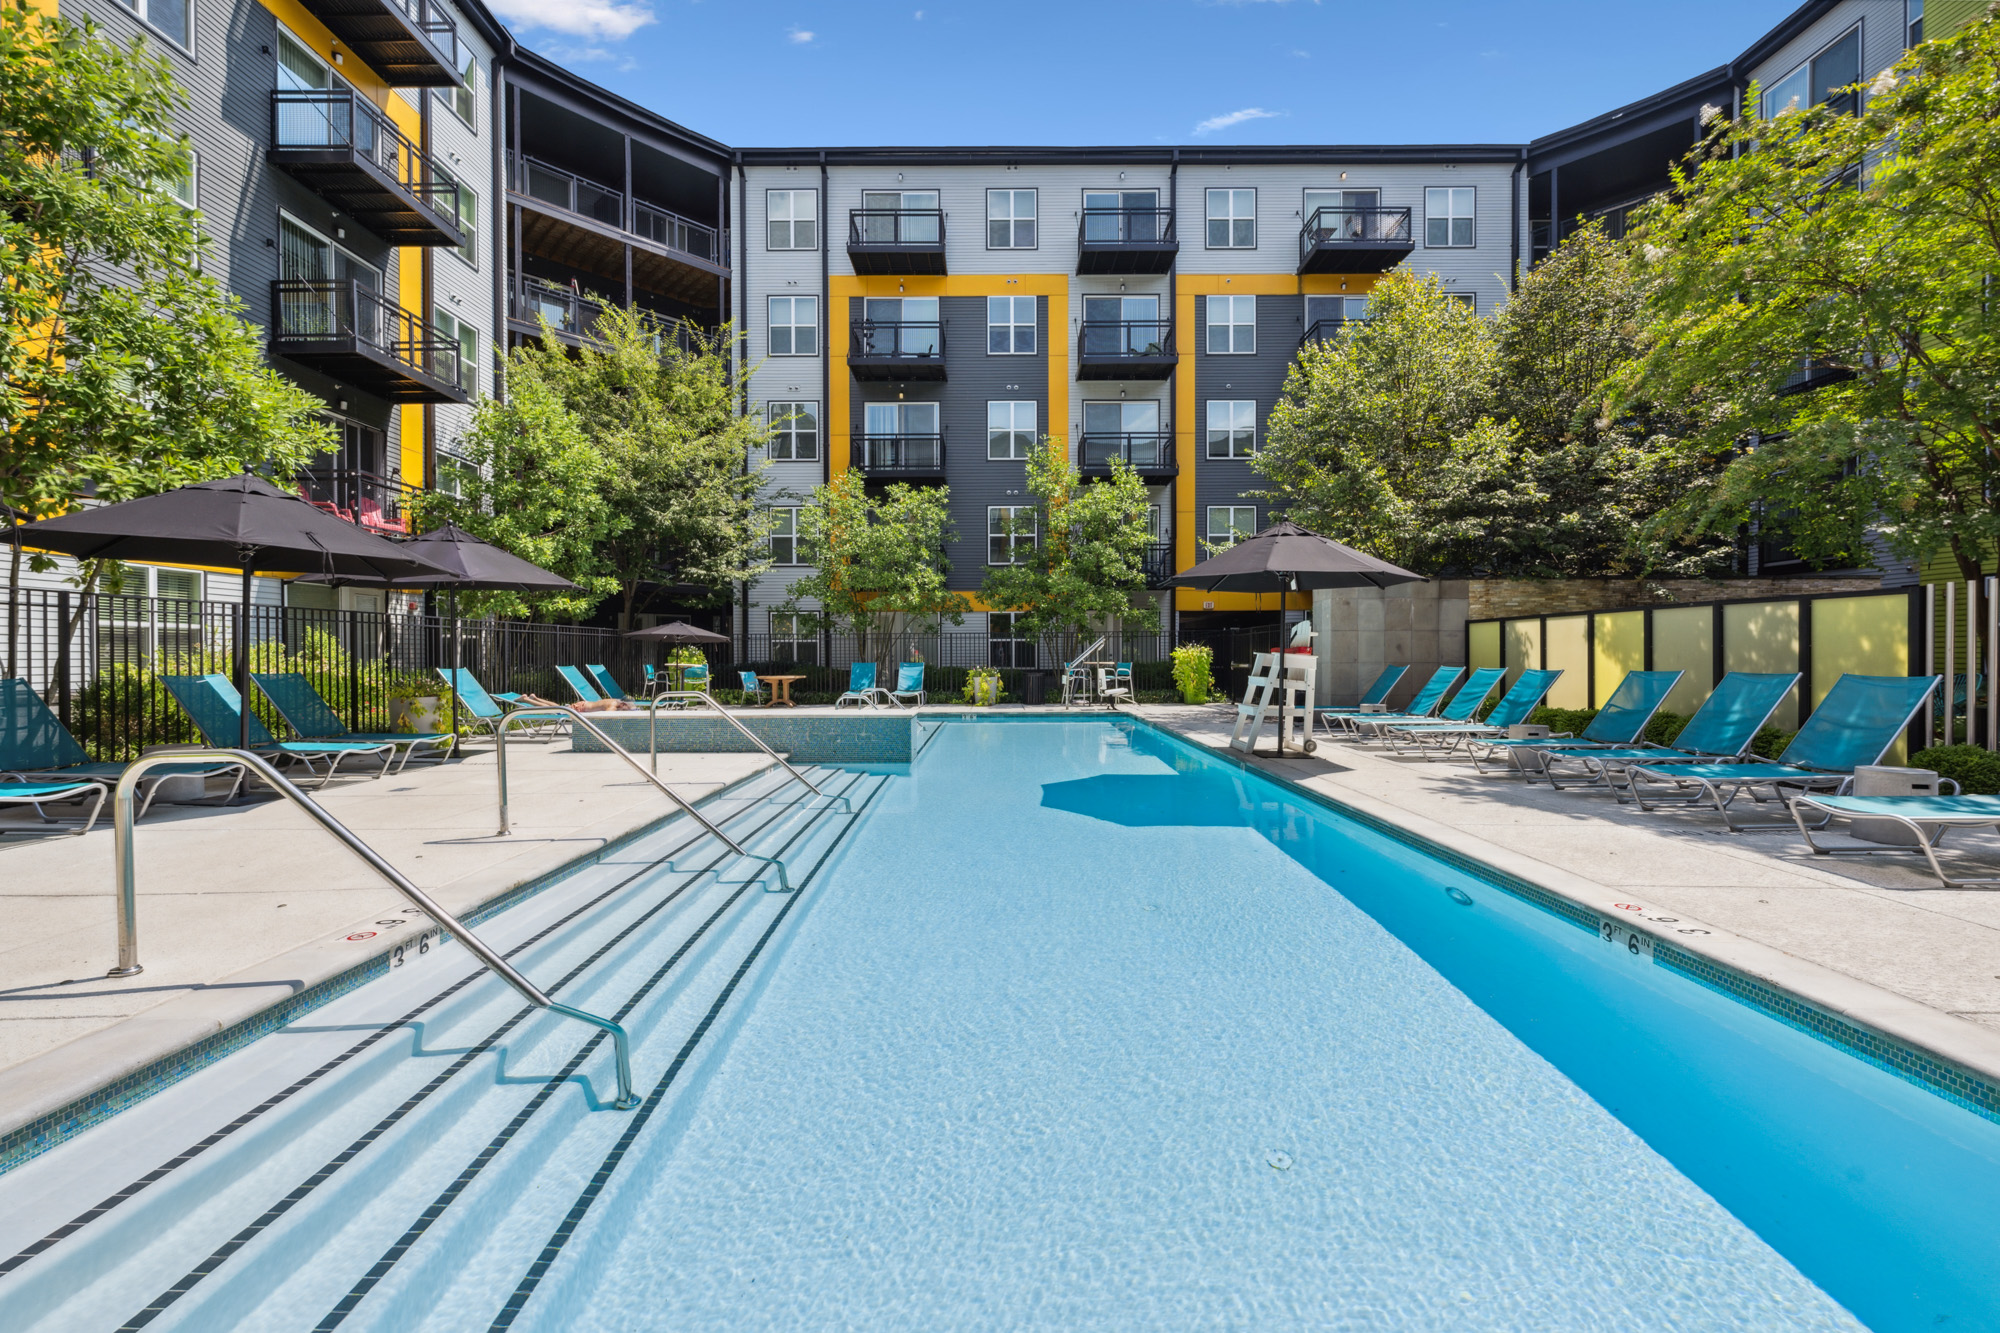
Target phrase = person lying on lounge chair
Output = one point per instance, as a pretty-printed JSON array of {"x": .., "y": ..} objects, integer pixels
[{"x": 581, "y": 706}]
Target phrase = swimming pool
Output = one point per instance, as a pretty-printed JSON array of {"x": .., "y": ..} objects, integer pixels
[{"x": 1073, "y": 1027}]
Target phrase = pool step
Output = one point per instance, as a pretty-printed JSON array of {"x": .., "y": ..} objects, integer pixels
[{"x": 290, "y": 1212}]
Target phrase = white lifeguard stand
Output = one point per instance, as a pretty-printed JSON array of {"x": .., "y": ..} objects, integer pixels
[{"x": 1281, "y": 683}]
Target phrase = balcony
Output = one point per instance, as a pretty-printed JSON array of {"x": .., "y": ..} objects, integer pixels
[
  {"x": 359, "y": 337},
  {"x": 590, "y": 226},
  {"x": 410, "y": 43},
  {"x": 1149, "y": 453},
  {"x": 900, "y": 352},
  {"x": 901, "y": 457},
  {"x": 891, "y": 240},
  {"x": 1126, "y": 240},
  {"x": 342, "y": 147},
  {"x": 1125, "y": 350},
  {"x": 365, "y": 499},
  {"x": 1355, "y": 240},
  {"x": 1158, "y": 564},
  {"x": 573, "y": 315}
]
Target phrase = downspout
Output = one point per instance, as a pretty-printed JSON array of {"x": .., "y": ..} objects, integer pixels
[
  {"x": 502, "y": 257},
  {"x": 1173, "y": 315},
  {"x": 427, "y": 287},
  {"x": 826, "y": 370},
  {"x": 1514, "y": 260},
  {"x": 736, "y": 343}
]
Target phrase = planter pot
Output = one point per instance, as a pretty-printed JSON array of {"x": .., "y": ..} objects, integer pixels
[
  {"x": 985, "y": 691},
  {"x": 422, "y": 714}
]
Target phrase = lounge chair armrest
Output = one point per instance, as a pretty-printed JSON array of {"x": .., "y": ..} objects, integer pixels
[{"x": 1955, "y": 788}]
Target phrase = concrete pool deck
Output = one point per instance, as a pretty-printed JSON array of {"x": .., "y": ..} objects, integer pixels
[
  {"x": 1927, "y": 959},
  {"x": 242, "y": 907}
]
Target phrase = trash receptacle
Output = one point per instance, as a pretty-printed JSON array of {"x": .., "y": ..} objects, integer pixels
[{"x": 1035, "y": 687}]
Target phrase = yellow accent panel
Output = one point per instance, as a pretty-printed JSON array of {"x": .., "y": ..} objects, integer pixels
[
  {"x": 1194, "y": 599},
  {"x": 842, "y": 288},
  {"x": 1482, "y": 644},
  {"x": 1684, "y": 641},
  {"x": 1620, "y": 649},
  {"x": 1868, "y": 636},
  {"x": 1567, "y": 650},
  {"x": 315, "y": 35},
  {"x": 1764, "y": 636},
  {"x": 1524, "y": 648}
]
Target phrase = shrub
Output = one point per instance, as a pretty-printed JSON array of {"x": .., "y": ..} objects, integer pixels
[
  {"x": 1665, "y": 727},
  {"x": 1771, "y": 740},
  {"x": 1559, "y": 720},
  {"x": 1976, "y": 771},
  {"x": 974, "y": 675},
  {"x": 1194, "y": 672}
]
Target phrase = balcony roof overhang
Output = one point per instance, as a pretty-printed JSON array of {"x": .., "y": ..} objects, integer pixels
[
  {"x": 1098, "y": 366},
  {"x": 389, "y": 41},
  {"x": 1116, "y": 257},
  {"x": 1369, "y": 256},
  {"x": 356, "y": 185},
  {"x": 372, "y": 369},
  {"x": 872, "y": 258}
]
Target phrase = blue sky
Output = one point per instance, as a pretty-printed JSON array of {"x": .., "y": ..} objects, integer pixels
[{"x": 833, "y": 72}]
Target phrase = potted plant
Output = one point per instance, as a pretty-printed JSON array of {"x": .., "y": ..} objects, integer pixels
[
  {"x": 1194, "y": 672},
  {"x": 414, "y": 707},
  {"x": 982, "y": 687}
]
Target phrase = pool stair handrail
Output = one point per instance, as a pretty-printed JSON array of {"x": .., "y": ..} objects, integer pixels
[
  {"x": 702, "y": 697},
  {"x": 1075, "y": 674},
  {"x": 128, "y": 894},
  {"x": 579, "y": 720}
]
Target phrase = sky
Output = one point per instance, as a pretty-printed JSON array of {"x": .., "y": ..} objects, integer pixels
[{"x": 921, "y": 72}]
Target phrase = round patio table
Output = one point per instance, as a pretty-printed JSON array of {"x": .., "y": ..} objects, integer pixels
[{"x": 781, "y": 690}]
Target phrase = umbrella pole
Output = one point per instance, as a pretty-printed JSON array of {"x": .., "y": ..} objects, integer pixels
[
  {"x": 451, "y": 595},
  {"x": 243, "y": 664},
  {"x": 1278, "y": 666}
]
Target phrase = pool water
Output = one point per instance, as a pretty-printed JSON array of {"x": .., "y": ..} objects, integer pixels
[{"x": 1076, "y": 1028}]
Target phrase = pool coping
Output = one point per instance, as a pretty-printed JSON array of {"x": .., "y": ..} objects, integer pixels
[
  {"x": 80, "y": 1097},
  {"x": 1948, "y": 1056}
]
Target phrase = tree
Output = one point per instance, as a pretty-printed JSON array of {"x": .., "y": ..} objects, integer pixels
[
  {"x": 1088, "y": 566},
  {"x": 624, "y": 462},
  {"x": 1855, "y": 251},
  {"x": 878, "y": 561},
  {"x": 127, "y": 369}
]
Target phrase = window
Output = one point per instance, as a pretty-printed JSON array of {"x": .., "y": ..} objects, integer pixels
[
  {"x": 299, "y": 70},
  {"x": 1325, "y": 314},
  {"x": 1156, "y": 531},
  {"x": 456, "y": 475},
  {"x": 794, "y": 325},
  {"x": 1123, "y": 326},
  {"x": 901, "y": 326},
  {"x": 1232, "y": 219},
  {"x": 1010, "y": 429},
  {"x": 1010, "y": 325},
  {"x": 1350, "y": 215},
  {"x": 464, "y": 100},
  {"x": 901, "y": 437},
  {"x": 784, "y": 539},
  {"x": 1232, "y": 428},
  {"x": 895, "y": 420},
  {"x": 1232, "y": 325},
  {"x": 1913, "y": 22},
  {"x": 1230, "y": 524},
  {"x": 791, "y": 218},
  {"x": 456, "y": 330},
  {"x": 1007, "y": 646},
  {"x": 1821, "y": 79},
  {"x": 794, "y": 431},
  {"x": 180, "y": 185},
  {"x": 1010, "y": 219},
  {"x": 1467, "y": 299},
  {"x": 1125, "y": 430},
  {"x": 169, "y": 16},
  {"x": 792, "y": 638},
  {"x": 468, "y": 212},
  {"x": 1010, "y": 534},
  {"x": 1448, "y": 216},
  {"x": 900, "y": 217}
]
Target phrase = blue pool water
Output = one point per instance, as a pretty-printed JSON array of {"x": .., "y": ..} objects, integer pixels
[{"x": 1077, "y": 1028}]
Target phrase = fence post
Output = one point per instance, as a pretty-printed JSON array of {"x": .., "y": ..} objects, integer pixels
[
  {"x": 1805, "y": 659},
  {"x": 62, "y": 661},
  {"x": 353, "y": 669}
]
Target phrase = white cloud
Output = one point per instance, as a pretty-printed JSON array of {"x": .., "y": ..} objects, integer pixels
[
  {"x": 1303, "y": 55},
  {"x": 564, "y": 53},
  {"x": 920, "y": 16},
  {"x": 800, "y": 36},
  {"x": 592, "y": 20},
  {"x": 1234, "y": 118}
]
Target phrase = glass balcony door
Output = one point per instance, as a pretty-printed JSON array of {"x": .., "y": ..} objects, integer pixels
[
  {"x": 1343, "y": 215},
  {"x": 1127, "y": 430},
  {"x": 1121, "y": 215},
  {"x": 1122, "y": 326},
  {"x": 900, "y": 217},
  {"x": 901, "y": 326}
]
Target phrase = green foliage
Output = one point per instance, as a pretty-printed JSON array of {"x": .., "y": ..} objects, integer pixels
[
  {"x": 1087, "y": 571},
  {"x": 125, "y": 369},
  {"x": 1864, "y": 244},
  {"x": 618, "y": 466},
  {"x": 1664, "y": 727},
  {"x": 1440, "y": 440},
  {"x": 1771, "y": 740},
  {"x": 979, "y": 680},
  {"x": 878, "y": 560},
  {"x": 1559, "y": 720},
  {"x": 1976, "y": 770},
  {"x": 1194, "y": 672}
]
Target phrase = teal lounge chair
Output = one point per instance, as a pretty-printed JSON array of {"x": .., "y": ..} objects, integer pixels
[
  {"x": 579, "y": 685},
  {"x": 606, "y": 685},
  {"x": 1374, "y": 694},
  {"x": 1620, "y": 722},
  {"x": 1478, "y": 687},
  {"x": 217, "y": 708},
  {"x": 909, "y": 685},
  {"x": 36, "y": 747},
  {"x": 861, "y": 687},
  {"x": 306, "y": 712},
  {"x": 39, "y": 794},
  {"x": 1443, "y": 738},
  {"x": 1427, "y": 701},
  {"x": 484, "y": 708},
  {"x": 753, "y": 689},
  {"x": 1855, "y": 724},
  {"x": 1114, "y": 683},
  {"x": 1720, "y": 730},
  {"x": 1927, "y": 818}
]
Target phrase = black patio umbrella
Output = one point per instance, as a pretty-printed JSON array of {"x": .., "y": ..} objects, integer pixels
[
  {"x": 243, "y": 522},
  {"x": 1288, "y": 558},
  {"x": 466, "y": 562},
  {"x": 678, "y": 631}
]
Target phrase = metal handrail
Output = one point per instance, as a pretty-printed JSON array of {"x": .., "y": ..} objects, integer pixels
[
  {"x": 1125, "y": 338},
  {"x": 128, "y": 893},
  {"x": 895, "y": 339},
  {"x": 653, "y": 733},
  {"x": 903, "y": 226},
  {"x": 579, "y": 720},
  {"x": 902, "y": 453},
  {"x": 1145, "y": 449},
  {"x": 307, "y": 118},
  {"x": 1091, "y": 231},
  {"x": 1332, "y": 224}
]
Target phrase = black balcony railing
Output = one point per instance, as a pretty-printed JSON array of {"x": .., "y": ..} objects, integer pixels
[
  {"x": 896, "y": 240},
  {"x": 346, "y": 149},
  {"x": 1355, "y": 240},
  {"x": 358, "y": 336},
  {"x": 367, "y": 499},
  {"x": 608, "y": 205},
  {"x": 1149, "y": 453},
  {"x": 1325, "y": 330},
  {"x": 410, "y": 43},
  {"x": 882, "y": 350},
  {"x": 576, "y": 315},
  {"x": 902, "y": 455},
  {"x": 1158, "y": 564},
  {"x": 1125, "y": 349},
  {"x": 1126, "y": 240}
]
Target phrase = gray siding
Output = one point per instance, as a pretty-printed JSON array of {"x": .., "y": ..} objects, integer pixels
[{"x": 1259, "y": 376}]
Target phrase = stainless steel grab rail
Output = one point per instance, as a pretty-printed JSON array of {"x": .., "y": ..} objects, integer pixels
[
  {"x": 653, "y": 733},
  {"x": 579, "y": 720},
  {"x": 128, "y": 894}
]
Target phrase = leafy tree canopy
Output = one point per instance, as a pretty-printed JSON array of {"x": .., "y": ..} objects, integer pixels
[
  {"x": 878, "y": 561},
  {"x": 1087, "y": 569}
]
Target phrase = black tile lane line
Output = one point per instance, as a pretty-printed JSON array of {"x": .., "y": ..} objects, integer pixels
[
  {"x": 518, "y": 1302},
  {"x": 187, "y": 1155},
  {"x": 161, "y": 1303},
  {"x": 403, "y": 1244}
]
